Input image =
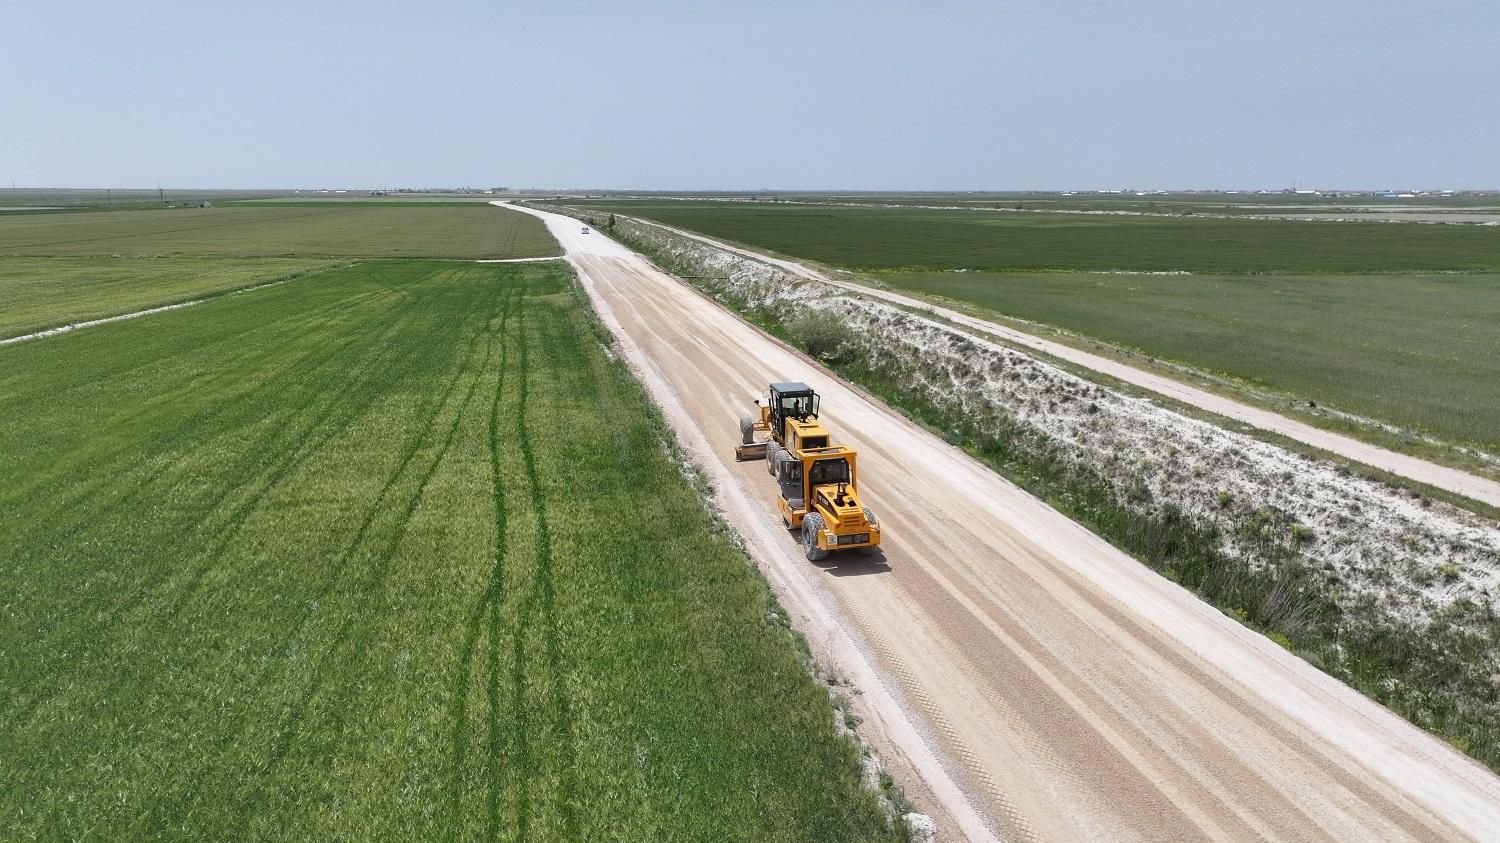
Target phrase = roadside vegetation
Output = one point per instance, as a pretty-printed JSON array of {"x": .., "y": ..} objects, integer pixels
[
  {"x": 1356, "y": 578},
  {"x": 402, "y": 553},
  {"x": 432, "y": 230},
  {"x": 41, "y": 293}
]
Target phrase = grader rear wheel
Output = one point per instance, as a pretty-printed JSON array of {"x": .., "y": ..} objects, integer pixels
[{"x": 773, "y": 456}]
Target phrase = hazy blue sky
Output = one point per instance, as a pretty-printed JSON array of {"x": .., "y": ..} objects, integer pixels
[{"x": 941, "y": 95}]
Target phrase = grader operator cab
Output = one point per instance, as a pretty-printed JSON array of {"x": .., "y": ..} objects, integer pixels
[{"x": 817, "y": 479}]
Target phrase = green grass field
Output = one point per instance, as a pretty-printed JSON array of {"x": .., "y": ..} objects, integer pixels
[
  {"x": 41, "y": 293},
  {"x": 336, "y": 230},
  {"x": 1422, "y": 351},
  {"x": 393, "y": 555},
  {"x": 914, "y": 239}
]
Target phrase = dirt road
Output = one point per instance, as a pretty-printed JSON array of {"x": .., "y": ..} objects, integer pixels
[
  {"x": 1453, "y": 480},
  {"x": 1042, "y": 684},
  {"x": 63, "y": 329}
]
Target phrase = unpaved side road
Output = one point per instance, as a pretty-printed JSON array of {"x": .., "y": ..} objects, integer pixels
[
  {"x": 1042, "y": 684},
  {"x": 1452, "y": 480},
  {"x": 105, "y": 320}
]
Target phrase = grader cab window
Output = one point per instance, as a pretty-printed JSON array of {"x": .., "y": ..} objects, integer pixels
[
  {"x": 824, "y": 472},
  {"x": 800, "y": 406}
]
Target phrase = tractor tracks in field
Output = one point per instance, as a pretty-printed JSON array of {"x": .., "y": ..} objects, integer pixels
[
  {"x": 337, "y": 414},
  {"x": 372, "y": 512},
  {"x": 358, "y": 622},
  {"x": 284, "y": 739},
  {"x": 490, "y": 599},
  {"x": 538, "y": 602},
  {"x": 250, "y": 461},
  {"x": 326, "y": 424},
  {"x": 543, "y": 594},
  {"x": 264, "y": 391},
  {"x": 282, "y": 742}
]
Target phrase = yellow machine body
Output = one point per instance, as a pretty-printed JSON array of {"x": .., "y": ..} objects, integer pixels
[
  {"x": 818, "y": 480},
  {"x": 824, "y": 480}
]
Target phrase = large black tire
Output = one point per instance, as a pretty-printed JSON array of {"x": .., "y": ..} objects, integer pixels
[
  {"x": 869, "y": 516},
  {"x": 773, "y": 456},
  {"x": 810, "y": 527},
  {"x": 784, "y": 465},
  {"x": 747, "y": 430}
]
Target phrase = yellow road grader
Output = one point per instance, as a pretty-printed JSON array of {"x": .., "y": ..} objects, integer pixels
[{"x": 817, "y": 478}]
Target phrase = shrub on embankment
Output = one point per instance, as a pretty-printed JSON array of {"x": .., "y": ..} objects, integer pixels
[{"x": 1394, "y": 594}]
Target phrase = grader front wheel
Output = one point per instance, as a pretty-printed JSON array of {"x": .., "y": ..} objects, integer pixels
[{"x": 810, "y": 527}]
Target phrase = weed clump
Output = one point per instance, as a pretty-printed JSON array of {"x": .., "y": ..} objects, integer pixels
[{"x": 821, "y": 333}]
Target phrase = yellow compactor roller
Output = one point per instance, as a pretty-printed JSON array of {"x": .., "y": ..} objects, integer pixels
[{"x": 817, "y": 478}]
